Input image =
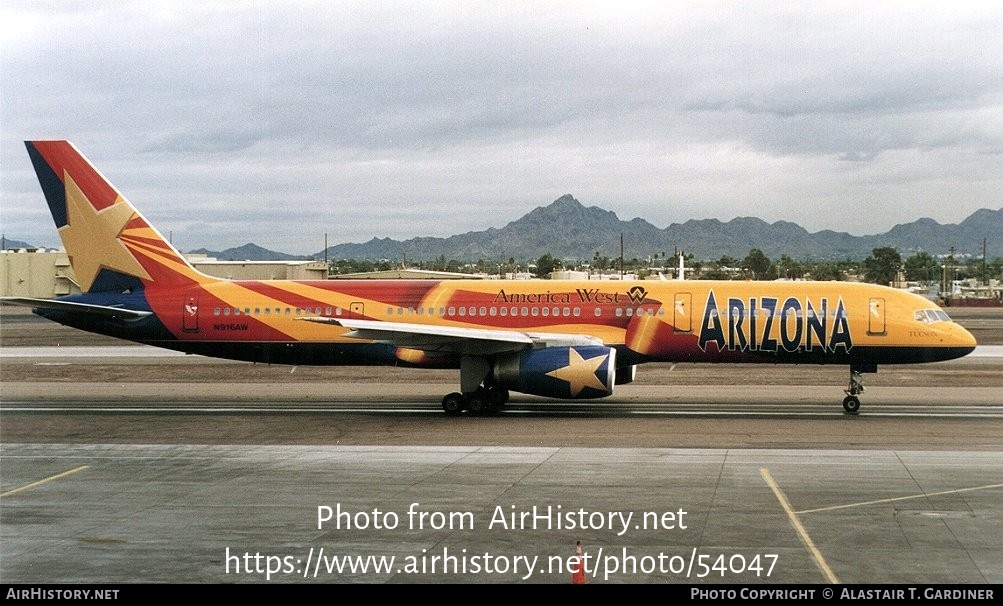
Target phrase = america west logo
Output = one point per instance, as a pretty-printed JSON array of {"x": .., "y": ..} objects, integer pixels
[{"x": 636, "y": 294}]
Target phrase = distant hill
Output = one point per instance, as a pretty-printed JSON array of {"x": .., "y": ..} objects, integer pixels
[
  {"x": 9, "y": 244},
  {"x": 250, "y": 252},
  {"x": 567, "y": 229}
]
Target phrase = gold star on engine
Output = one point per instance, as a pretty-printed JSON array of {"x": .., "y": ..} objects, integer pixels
[
  {"x": 91, "y": 238},
  {"x": 580, "y": 373}
]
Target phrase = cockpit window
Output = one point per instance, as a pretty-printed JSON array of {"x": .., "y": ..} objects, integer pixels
[{"x": 929, "y": 316}]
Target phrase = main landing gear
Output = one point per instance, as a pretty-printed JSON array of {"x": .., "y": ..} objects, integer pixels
[
  {"x": 483, "y": 401},
  {"x": 851, "y": 403},
  {"x": 479, "y": 392}
]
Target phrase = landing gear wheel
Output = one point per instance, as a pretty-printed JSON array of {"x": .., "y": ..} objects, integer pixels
[
  {"x": 851, "y": 403},
  {"x": 477, "y": 404},
  {"x": 499, "y": 397},
  {"x": 453, "y": 404}
]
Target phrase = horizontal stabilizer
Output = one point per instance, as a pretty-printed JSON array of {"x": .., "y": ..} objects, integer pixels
[{"x": 99, "y": 310}]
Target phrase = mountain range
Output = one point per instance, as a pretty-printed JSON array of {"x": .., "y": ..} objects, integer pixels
[
  {"x": 567, "y": 229},
  {"x": 252, "y": 252}
]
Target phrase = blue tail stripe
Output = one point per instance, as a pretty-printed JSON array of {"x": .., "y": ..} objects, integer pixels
[{"x": 52, "y": 186}]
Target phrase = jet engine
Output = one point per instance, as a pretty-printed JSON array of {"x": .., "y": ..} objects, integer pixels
[{"x": 559, "y": 372}]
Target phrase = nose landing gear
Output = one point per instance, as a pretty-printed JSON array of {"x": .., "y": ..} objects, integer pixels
[{"x": 851, "y": 403}]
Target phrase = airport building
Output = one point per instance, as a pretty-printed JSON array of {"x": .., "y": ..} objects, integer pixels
[
  {"x": 407, "y": 274},
  {"x": 40, "y": 274},
  {"x": 44, "y": 274}
]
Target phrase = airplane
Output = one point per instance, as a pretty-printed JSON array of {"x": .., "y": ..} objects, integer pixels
[{"x": 558, "y": 339}]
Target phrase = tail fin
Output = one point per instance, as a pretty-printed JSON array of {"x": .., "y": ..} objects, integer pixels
[{"x": 110, "y": 245}]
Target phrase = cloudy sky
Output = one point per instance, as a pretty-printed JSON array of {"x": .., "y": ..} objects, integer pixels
[{"x": 277, "y": 122}]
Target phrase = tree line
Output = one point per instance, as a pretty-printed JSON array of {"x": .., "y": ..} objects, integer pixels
[{"x": 885, "y": 265}]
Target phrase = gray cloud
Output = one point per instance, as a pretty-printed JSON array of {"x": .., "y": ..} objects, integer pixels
[{"x": 235, "y": 122}]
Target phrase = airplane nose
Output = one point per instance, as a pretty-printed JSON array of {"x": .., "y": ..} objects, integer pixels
[
  {"x": 964, "y": 338},
  {"x": 956, "y": 342},
  {"x": 959, "y": 339}
]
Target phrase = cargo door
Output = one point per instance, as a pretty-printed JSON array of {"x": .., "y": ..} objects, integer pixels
[
  {"x": 876, "y": 317},
  {"x": 190, "y": 312}
]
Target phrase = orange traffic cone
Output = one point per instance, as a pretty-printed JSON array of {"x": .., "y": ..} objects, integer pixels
[{"x": 578, "y": 566}]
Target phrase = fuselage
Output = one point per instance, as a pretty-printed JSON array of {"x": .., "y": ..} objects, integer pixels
[{"x": 673, "y": 321}]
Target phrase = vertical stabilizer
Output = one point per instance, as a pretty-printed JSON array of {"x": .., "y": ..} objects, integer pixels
[{"x": 110, "y": 245}]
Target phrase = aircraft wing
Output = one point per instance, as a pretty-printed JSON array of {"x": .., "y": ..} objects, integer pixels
[
  {"x": 100, "y": 310},
  {"x": 456, "y": 339}
]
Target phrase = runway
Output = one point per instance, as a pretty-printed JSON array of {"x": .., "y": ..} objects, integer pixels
[{"x": 151, "y": 469}]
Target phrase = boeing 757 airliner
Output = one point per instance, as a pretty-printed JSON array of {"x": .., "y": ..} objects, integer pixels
[{"x": 560, "y": 339}]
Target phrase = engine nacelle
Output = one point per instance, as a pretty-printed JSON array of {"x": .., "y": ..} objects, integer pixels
[{"x": 559, "y": 372}]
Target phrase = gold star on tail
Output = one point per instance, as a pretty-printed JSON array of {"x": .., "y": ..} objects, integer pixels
[
  {"x": 91, "y": 237},
  {"x": 580, "y": 373}
]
